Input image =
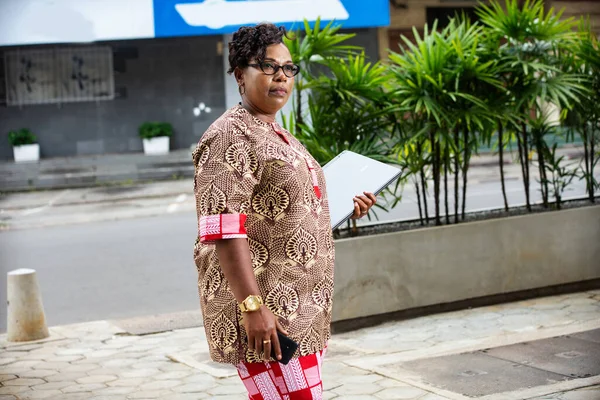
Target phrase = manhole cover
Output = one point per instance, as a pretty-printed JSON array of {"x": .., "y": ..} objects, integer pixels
[
  {"x": 568, "y": 356},
  {"x": 477, "y": 374},
  {"x": 511, "y": 368}
]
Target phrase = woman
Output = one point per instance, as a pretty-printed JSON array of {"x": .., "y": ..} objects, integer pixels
[{"x": 264, "y": 252}]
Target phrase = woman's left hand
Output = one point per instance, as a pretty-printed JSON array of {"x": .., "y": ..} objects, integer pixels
[{"x": 362, "y": 205}]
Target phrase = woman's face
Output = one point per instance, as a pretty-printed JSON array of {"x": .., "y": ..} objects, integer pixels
[{"x": 267, "y": 93}]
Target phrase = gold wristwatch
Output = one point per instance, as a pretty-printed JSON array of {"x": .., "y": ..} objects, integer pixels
[{"x": 251, "y": 303}]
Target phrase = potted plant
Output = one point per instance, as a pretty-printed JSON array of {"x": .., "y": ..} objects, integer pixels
[
  {"x": 155, "y": 136},
  {"x": 25, "y": 146}
]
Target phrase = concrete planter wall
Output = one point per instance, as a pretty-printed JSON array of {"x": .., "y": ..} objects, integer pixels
[
  {"x": 27, "y": 153},
  {"x": 399, "y": 271},
  {"x": 156, "y": 146}
]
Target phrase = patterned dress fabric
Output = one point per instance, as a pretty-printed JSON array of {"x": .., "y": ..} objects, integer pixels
[
  {"x": 254, "y": 180},
  {"x": 300, "y": 379}
]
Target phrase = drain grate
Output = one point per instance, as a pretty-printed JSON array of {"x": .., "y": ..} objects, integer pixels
[{"x": 515, "y": 367}]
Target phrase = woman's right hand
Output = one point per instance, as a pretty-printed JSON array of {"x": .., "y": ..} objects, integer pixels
[{"x": 261, "y": 329}]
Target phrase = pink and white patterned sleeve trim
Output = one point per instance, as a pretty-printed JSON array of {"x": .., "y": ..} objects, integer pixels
[{"x": 222, "y": 226}]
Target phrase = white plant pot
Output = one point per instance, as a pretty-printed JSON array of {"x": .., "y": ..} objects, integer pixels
[
  {"x": 27, "y": 153},
  {"x": 157, "y": 145}
]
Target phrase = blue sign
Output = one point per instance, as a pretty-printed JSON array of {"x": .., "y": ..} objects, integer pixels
[{"x": 215, "y": 17}]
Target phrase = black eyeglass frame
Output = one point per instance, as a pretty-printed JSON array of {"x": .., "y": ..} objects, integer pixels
[{"x": 277, "y": 68}]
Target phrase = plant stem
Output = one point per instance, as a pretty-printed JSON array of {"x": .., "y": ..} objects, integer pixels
[
  {"x": 435, "y": 148},
  {"x": 524, "y": 158},
  {"x": 446, "y": 162},
  {"x": 542, "y": 169},
  {"x": 456, "y": 172},
  {"x": 501, "y": 161},
  {"x": 592, "y": 155},
  {"x": 465, "y": 170},
  {"x": 423, "y": 182},
  {"x": 419, "y": 202},
  {"x": 586, "y": 157}
]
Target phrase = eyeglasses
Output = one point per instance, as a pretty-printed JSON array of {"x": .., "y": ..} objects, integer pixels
[{"x": 270, "y": 68}]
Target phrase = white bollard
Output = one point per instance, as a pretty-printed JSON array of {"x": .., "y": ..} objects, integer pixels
[{"x": 26, "y": 319}]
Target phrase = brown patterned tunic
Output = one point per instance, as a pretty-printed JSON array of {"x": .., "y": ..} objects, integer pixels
[{"x": 254, "y": 179}]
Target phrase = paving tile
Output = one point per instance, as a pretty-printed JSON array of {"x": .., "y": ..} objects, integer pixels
[
  {"x": 432, "y": 396},
  {"x": 118, "y": 363},
  {"x": 190, "y": 396},
  {"x": 52, "y": 365},
  {"x": 157, "y": 385},
  {"x": 104, "y": 371},
  {"x": 33, "y": 357},
  {"x": 7, "y": 377},
  {"x": 225, "y": 397},
  {"x": 115, "y": 391},
  {"x": 73, "y": 352},
  {"x": 24, "y": 382},
  {"x": 194, "y": 388},
  {"x": 74, "y": 396},
  {"x": 200, "y": 377},
  {"x": 128, "y": 382},
  {"x": 81, "y": 368},
  {"x": 139, "y": 373},
  {"x": 54, "y": 385},
  {"x": 23, "y": 365},
  {"x": 173, "y": 375},
  {"x": 592, "y": 393},
  {"x": 12, "y": 354},
  {"x": 97, "y": 379},
  {"x": 173, "y": 366},
  {"x": 357, "y": 388},
  {"x": 55, "y": 358},
  {"x": 13, "y": 389},
  {"x": 38, "y": 373},
  {"x": 400, "y": 393},
  {"x": 86, "y": 387},
  {"x": 42, "y": 394},
  {"x": 388, "y": 383},
  {"x": 150, "y": 394},
  {"x": 360, "y": 378},
  {"x": 65, "y": 377},
  {"x": 228, "y": 389}
]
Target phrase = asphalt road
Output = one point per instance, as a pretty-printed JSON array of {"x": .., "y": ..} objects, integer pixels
[
  {"x": 107, "y": 270},
  {"x": 142, "y": 266}
]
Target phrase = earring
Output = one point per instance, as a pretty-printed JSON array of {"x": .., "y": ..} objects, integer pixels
[{"x": 240, "y": 90}]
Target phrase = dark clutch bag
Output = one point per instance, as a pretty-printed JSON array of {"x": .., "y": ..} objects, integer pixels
[{"x": 288, "y": 348}]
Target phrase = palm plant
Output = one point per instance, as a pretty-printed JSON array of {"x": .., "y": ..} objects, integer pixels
[
  {"x": 309, "y": 49},
  {"x": 341, "y": 101},
  {"x": 584, "y": 117},
  {"x": 529, "y": 42},
  {"x": 441, "y": 81}
]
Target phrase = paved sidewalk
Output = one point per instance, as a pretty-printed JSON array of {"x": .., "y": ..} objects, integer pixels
[{"x": 98, "y": 361}]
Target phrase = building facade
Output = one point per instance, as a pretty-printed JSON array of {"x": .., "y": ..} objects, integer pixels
[
  {"x": 85, "y": 91},
  {"x": 83, "y": 76}
]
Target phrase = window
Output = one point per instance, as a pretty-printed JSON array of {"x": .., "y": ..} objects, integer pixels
[
  {"x": 443, "y": 15},
  {"x": 58, "y": 75}
]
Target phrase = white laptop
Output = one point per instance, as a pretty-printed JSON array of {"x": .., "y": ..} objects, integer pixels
[{"x": 350, "y": 174}]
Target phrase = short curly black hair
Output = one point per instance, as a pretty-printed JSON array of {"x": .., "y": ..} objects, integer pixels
[{"x": 251, "y": 42}]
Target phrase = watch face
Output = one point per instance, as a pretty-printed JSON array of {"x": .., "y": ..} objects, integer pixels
[{"x": 252, "y": 304}]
